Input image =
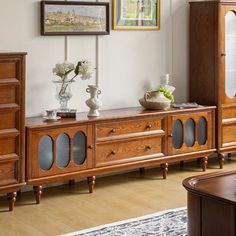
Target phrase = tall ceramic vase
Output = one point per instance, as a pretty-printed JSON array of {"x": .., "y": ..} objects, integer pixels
[{"x": 93, "y": 102}]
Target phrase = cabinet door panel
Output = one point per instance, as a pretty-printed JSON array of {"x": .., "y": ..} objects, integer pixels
[
  {"x": 192, "y": 135},
  {"x": 60, "y": 151}
]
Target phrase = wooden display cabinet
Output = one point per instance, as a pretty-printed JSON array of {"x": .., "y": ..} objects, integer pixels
[
  {"x": 213, "y": 66},
  {"x": 118, "y": 140},
  {"x": 12, "y": 119}
]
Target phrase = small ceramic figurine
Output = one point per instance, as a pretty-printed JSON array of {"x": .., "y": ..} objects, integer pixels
[{"x": 93, "y": 102}]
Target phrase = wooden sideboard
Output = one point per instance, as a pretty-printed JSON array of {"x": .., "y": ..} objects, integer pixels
[
  {"x": 118, "y": 140},
  {"x": 12, "y": 119},
  {"x": 211, "y": 204}
]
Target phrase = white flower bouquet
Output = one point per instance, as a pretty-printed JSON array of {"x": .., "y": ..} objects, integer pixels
[{"x": 63, "y": 70}]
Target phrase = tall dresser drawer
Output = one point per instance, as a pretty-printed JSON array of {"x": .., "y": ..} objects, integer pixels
[
  {"x": 8, "y": 173},
  {"x": 127, "y": 127},
  {"x": 228, "y": 113},
  {"x": 122, "y": 151},
  {"x": 8, "y": 69},
  {"x": 8, "y": 145},
  {"x": 8, "y": 94},
  {"x": 9, "y": 118}
]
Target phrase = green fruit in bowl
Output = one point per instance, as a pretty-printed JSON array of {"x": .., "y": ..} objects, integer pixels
[{"x": 166, "y": 93}]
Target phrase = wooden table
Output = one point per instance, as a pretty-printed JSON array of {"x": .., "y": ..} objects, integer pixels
[{"x": 211, "y": 204}]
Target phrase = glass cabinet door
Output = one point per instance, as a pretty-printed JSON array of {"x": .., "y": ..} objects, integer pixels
[{"x": 230, "y": 55}]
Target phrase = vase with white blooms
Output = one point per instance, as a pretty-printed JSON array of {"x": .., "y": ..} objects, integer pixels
[{"x": 66, "y": 73}]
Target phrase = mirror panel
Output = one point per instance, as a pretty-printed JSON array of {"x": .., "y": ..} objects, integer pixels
[
  {"x": 202, "y": 131},
  {"x": 190, "y": 132},
  {"x": 62, "y": 150},
  {"x": 230, "y": 51},
  {"x": 79, "y": 148},
  {"x": 45, "y": 153},
  {"x": 177, "y": 134}
]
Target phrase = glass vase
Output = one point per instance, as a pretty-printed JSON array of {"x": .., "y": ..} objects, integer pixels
[{"x": 63, "y": 94}]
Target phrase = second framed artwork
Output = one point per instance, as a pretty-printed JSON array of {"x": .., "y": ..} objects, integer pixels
[
  {"x": 136, "y": 14},
  {"x": 74, "y": 18}
]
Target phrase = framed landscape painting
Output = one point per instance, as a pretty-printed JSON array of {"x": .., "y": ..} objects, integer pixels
[
  {"x": 136, "y": 14},
  {"x": 74, "y": 18}
]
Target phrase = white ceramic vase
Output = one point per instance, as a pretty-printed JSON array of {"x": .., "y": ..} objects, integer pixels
[{"x": 93, "y": 102}]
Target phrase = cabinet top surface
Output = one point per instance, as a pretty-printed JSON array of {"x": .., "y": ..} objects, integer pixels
[
  {"x": 107, "y": 115},
  {"x": 220, "y": 185}
]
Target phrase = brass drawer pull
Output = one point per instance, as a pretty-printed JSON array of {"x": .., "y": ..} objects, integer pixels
[
  {"x": 148, "y": 147},
  {"x": 170, "y": 135},
  {"x": 113, "y": 152},
  {"x": 149, "y": 126},
  {"x": 113, "y": 130},
  {"x": 223, "y": 54},
  {"x": 90, "y": 146}
]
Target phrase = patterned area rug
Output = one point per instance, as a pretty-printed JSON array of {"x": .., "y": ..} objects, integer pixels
[{"x": 164, "y": 223}]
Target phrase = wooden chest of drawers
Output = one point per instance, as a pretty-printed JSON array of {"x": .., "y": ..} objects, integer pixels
[{"x": 12, "y": 119}]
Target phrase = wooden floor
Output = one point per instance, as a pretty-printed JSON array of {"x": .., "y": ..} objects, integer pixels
[{"x": 118, "y": 197}]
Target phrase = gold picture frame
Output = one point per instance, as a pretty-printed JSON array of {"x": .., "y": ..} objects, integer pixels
[{"x": 136, "y": 14}]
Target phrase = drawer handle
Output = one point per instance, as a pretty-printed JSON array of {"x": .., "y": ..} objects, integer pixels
[
  {"x": 170, "y": 135},
  {"x": 113, "y": 152},
  {"x": 223, "y": 54},
  {"x": 90, "y": 146},
  {"x": 148, "y": 147},
  {"x": 149, "y": 126},
  {"x": 113, "y": 130}
]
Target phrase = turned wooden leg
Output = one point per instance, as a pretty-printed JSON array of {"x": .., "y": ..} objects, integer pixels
[
  {"x": 38, "y": 190},
  {"x": 142, "y": 171},
  {"x": 164, "y": 168},
  {"x": 204, "y": 162},
  {"x": 181, "y": 163},
  {"x": 11, "y": 200},
  {"x": 221, "y": 159},
  {"x": 71, "y": 182},
  {"x": 91, "y": 183}
]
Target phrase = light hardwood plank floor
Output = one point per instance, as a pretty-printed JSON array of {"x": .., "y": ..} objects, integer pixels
[{"x": 118, "y": 197}]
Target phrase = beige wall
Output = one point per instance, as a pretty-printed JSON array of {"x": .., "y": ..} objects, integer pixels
[{"x": 130, "y": 61}]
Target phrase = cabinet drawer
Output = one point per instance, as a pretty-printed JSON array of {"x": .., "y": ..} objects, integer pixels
[
  {"x": 8, "y": 145},
  {"x": 123, "y": 151},
  {"x": 229, "y": 113},
  {"x": 7, "y": 94},
  {"x": 127, "y": 127},
  {"x": 8, "y": 69},
  {"x": 8, "y": 173},
  {"x": 228, "y": 135},
  {"x": 8, "y": 120}
]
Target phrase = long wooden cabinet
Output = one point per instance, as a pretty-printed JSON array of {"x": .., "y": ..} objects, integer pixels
[
  {"x": 213, "y": 66},
  {"x": 118, "y": 140},
  {"x": 12, "y": 119}
]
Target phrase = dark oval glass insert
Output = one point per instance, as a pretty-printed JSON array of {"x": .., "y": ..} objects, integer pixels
[
  {"x": 177, "y": 134},
  {"x": 45, "y": 152},
  {"x": 190, "y": 132},
  {"x": 79, "y": 148},
  {"x": 63, "y": 150},
  {"x": 202, "y": 131}
]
